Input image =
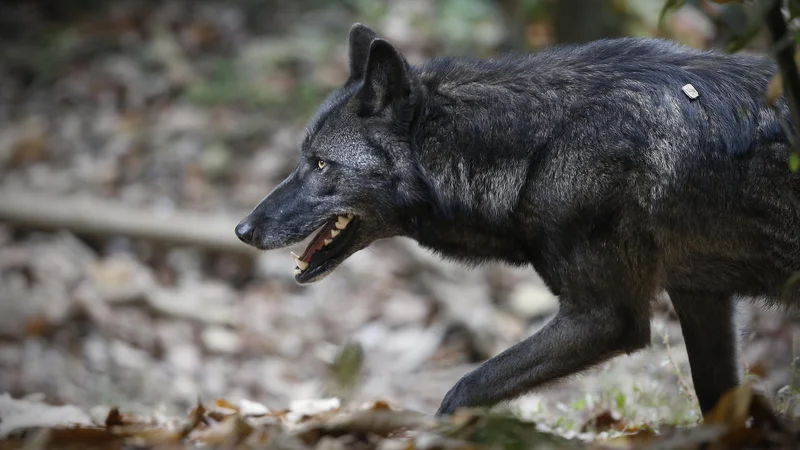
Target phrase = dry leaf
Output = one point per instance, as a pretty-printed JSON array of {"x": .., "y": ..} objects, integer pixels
[
  {"x": 27, "y": 150},
  {"x": 196, "y": 417},
  {"x": 252, "y": 409},
  {"x": 222, "y": 403},
  {"x": 603, "y": 422},
  {"x": 370, "y": 422},
  {"x": 733, "y": 408},
  {"x": 153, "y": 436},
  {"x": 82, "y": 437},
  {"x": 381, "y": 405},
  {"x": 629, "y": 441},
  {"x": 775, "y": 89},
  {"x": 114, "y": 418},
  {"x": 37, "y": 326},
  {"x": 233, "y": 430}
]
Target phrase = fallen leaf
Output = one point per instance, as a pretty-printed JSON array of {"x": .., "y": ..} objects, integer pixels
[
  {"x": 37, "y": 326},
  {"x": 249, "y": 408},
  {"x": 196, "y": 417},
  {"x": 381, "y": 405},
  {"x": 114, "y": 418},
  {"x": 602, "y": 422},
  {"x": 222, "y": 403},
  {"x": 369, "y": 422},
  {"x": 733, "y": 408},
  {"x": 775, "y": 89},
  {"x": 153, "y": 436},
  {"x": 739, "y": 438},
  {"x": 222, "y": 409},
  {"x": 85, "y": 437},
  {"x": 232, "y": 431}
]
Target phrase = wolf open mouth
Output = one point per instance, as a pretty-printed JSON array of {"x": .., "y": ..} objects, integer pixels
[{"x": 331, "y": 240}]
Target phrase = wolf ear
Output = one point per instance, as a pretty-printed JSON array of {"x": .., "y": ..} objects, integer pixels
[
  {"x": 387, "y": 78},
  {"x": 361, "y": 36}
]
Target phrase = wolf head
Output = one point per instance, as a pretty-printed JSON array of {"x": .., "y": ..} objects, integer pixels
[{"x": 356, "y": 180}]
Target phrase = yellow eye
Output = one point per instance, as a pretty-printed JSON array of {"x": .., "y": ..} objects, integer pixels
[{"x": 321, "y": 164}]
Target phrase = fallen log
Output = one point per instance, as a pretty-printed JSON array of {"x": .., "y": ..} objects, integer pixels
[{"x": 95, "y": 217}]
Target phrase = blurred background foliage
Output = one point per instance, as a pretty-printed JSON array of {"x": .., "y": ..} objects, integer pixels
[{"x": 286, "y": 55}]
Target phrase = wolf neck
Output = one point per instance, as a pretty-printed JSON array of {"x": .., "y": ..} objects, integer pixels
[
  {"x": 477, "y": 147},
  {"x": 470, "y": 212}
]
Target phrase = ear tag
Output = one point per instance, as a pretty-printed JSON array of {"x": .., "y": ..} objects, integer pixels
[{"x": 690, "y": 91}]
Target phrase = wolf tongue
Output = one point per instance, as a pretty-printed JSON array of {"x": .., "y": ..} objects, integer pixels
[{"x": 318, "y": 242}]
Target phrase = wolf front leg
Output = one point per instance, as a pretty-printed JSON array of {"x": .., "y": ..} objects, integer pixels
[
  {"x": 574, "y": 340},
  {"x": 604, "y": 311}
]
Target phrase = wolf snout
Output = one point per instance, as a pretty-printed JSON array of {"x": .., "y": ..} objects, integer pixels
[{"x": 245, "y": 232}]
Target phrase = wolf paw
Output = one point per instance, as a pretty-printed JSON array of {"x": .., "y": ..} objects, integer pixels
[{"x": 459, "y": 396}]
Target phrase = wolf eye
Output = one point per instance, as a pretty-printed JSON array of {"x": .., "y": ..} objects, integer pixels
[{"x": 321, "y": 164}]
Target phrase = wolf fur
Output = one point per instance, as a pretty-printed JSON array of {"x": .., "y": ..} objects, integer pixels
[{"x": 586, "y": 162}]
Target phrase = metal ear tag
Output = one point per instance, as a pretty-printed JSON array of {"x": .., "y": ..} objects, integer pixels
[{"x": 690, "y": 91}]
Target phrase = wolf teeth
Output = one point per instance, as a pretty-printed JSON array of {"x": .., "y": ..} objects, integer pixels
[
  {"x": 302, "y": 265},
  {"x": 342, "y": 221}
]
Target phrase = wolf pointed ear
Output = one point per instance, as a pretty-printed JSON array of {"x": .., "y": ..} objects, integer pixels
[
  {"x": 387, "y": 78},
  {"x": 361, "y": 36}
]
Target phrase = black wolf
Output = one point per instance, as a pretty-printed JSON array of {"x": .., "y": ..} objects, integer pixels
[{"x": 595, "y": 164}]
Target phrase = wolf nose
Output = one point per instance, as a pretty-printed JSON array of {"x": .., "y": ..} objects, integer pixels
[{"x": 244, "y": 231}]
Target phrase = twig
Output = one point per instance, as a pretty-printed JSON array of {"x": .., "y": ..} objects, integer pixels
[
  {"x": 683, "y": 383},
  {"x": 785, "y": 58}
]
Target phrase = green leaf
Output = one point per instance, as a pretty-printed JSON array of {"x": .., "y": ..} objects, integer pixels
[
  {"x": 620, "y": 401},
  {"x": 794, "y": 9},
  {"x": 579, "y": 405},
  {"x": 794, "y": 162}
]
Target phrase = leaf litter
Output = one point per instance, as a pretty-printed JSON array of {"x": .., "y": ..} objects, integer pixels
[{"x": 743, "y": 419}]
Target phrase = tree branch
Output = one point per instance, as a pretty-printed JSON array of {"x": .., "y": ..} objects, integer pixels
[
  {"x": 94, "y": 217},
  {"x": 787, "y": 66}
]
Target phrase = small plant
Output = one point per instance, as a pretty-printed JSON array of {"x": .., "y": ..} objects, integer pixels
[{"x": 788, "y": 398}]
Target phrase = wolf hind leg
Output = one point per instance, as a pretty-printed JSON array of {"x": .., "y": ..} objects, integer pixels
[{"x": 709, "y": 330}]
